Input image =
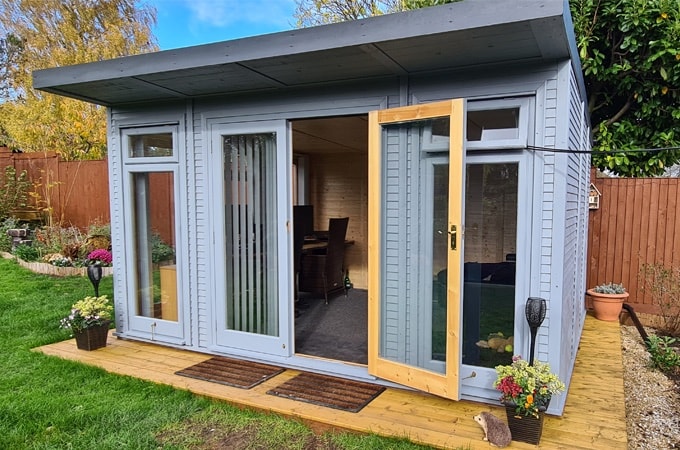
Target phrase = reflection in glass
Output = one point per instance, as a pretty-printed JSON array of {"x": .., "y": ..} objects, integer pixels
[
  {"x": 493, "y": 124},
  {"x": 440, "y": 214},
  {"x": 251, "y": 245},
  {"x": 489, "y": 269},
  {"x": 154, "y": 223},
  {"x": 150, "y": 145}
]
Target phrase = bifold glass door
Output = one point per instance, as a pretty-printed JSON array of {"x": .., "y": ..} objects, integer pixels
[{"x": 251, "y": 240}]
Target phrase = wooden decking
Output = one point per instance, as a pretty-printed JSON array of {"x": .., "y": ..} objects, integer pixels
[{"x": 594, "y": 416}]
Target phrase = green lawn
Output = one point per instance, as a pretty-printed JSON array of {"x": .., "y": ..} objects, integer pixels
[{"x": 49, "y": 403}]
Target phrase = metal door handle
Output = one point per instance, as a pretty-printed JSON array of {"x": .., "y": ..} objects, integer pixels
[{"x": 454, "y": 237}]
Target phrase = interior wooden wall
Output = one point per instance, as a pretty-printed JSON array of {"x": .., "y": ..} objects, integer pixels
[{"x": 339, "y": 188}]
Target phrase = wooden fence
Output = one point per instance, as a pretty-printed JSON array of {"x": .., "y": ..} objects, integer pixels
[
  {"x": 76, "y": 192},
  {"x": 637, "y": 224}
]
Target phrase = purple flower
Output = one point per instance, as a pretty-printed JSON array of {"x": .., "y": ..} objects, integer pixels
[{"x": 100, "y": 255}]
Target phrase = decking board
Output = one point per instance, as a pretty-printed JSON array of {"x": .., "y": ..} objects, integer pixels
[{"x": 594, "y": 415}]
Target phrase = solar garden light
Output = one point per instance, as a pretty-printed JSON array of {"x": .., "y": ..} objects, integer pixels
[
  {"x": 535, "y": 313},
  {"x": 94, "y": 273}
]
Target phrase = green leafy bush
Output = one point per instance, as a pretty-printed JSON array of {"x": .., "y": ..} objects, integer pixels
[
  {"x": 663, "y": 355},
  {"x": 26, "y": 252},
  {"x": 160, "y": 251}
]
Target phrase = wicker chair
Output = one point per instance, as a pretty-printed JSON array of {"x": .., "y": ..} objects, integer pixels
[{"x": 325, "y": 273}]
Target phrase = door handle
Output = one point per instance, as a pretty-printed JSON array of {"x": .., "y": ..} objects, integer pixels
[{"x": 454, "y": 237}]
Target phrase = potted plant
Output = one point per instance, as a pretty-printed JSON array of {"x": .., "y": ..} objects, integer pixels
[
  {"x": 607, "y": 300},
  {"x": 89, "y": 321},
  {"x": 526, "y": 391}
]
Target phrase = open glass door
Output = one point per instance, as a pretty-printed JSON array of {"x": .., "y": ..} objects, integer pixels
[
  {"x": 415, "y": 245},
  {"x": 251, "y": 240}
]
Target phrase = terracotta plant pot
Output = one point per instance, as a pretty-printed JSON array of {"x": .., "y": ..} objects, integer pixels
[{"x": 607, "y": 307}]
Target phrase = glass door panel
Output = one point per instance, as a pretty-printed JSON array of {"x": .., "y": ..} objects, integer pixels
[
  {"x": 154, "y": 206},
  {"x": 491, "y": 201},
  {"x": 251, "y": 265},
  {"x": 252, "y": 286},
  {"x": 440, "y": 237},
  {"x": 414, "y": 323}
]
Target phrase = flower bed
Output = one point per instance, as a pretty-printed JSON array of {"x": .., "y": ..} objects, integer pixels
[{"x": 49, "y": 269}]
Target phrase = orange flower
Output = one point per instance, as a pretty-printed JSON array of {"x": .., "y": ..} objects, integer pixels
[{"x": 530, "y": 399}]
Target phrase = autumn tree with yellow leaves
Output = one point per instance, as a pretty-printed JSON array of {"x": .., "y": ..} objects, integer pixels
[{"x": 38, "y": 34}]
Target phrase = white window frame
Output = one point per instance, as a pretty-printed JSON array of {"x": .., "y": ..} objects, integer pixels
[
  {"x": 435, "y": 143},
  {"x": 126, "y": 133}
]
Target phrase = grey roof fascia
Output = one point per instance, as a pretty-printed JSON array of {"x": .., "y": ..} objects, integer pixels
[{"x": 463, "y": 15}]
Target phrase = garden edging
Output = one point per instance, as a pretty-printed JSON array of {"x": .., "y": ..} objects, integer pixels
[{"x": 49, "y": 269}]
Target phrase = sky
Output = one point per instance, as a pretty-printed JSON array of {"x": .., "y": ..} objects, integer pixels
[{"x": 183, "y": 23}]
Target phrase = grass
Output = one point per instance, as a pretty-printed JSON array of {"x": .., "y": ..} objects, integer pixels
[{"x": 49, "y": 403}]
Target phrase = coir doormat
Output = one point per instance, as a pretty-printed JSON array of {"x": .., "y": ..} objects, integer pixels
[
  {"x": 232, "y": 372},
  {"x": 332, "y": 392}
]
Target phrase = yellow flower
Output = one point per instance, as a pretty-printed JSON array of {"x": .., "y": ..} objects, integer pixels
[
  {"x": 664, "y": 90},
  {"x": 677, "y": 56},
  {"x": 664, "y": 15}
]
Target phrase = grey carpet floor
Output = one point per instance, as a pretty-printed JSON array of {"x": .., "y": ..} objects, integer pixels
[{"x": 338, "y": 330}]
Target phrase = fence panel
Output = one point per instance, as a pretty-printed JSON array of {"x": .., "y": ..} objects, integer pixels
[
  {"x": 636, "y": 224},
  {"x": 77, "y": 192}
]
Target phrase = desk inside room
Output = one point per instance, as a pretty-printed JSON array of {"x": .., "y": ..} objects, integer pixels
[{"x": 315, "y": 245}]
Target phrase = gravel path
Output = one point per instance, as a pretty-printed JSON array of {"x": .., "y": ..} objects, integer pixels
[{"x": 652, "y": 400}]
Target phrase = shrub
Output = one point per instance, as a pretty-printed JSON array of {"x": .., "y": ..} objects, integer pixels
[
  {"x": 663, "y": 354},
  {"x": 56, "y": 239},
  {"x": 26, "y": 252},
  {"x": 97, "y": 228},
  {"x": 160, "y": 251},
  {"x": 14, "y": 191},
  {"x": 663, "y": 284}
]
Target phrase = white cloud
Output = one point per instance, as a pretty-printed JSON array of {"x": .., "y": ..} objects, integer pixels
[{"x": 223, "y": 13}]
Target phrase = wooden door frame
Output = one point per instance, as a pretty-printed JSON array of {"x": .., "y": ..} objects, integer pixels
[{"x": 448, "y": 384}]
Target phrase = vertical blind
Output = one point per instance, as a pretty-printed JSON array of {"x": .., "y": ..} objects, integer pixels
[{"x": 250, "y": 202}]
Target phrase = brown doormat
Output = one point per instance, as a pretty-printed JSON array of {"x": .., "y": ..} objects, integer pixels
[
  {"x": 232, "y": 372},
  {"x": 332, "y": 392}
]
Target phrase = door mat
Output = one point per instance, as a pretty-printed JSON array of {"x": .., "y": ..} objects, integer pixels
[
  {"x": 331, "y": 392},
  {"x": 232, "y": 372}
]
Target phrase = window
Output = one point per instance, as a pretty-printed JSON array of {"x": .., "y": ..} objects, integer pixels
[{"x": 490, "y": 124}]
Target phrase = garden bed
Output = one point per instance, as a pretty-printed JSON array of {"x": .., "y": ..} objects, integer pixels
[{"x": 49, "y": 269}]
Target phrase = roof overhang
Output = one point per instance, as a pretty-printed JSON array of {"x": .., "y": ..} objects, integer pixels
[{"x": 466, "y": 34}]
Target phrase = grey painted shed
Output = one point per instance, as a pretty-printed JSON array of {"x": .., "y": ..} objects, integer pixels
[{"x": 431, "y": 130}]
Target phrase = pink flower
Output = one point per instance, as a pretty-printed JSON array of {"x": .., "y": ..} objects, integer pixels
[{"x": 100, "y": 255}]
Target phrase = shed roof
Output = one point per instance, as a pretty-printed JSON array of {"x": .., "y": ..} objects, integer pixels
[{"x": 466, "y": 34}]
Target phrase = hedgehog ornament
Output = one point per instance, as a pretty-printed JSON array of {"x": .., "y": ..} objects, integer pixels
[{"x": 496, "y": 431}]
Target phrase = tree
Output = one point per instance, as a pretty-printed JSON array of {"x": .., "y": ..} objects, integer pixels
[
  {"x": 319, "y": 12},
  {"x": 37, "y": 34},
  {"x": 630, "y": 53}
]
